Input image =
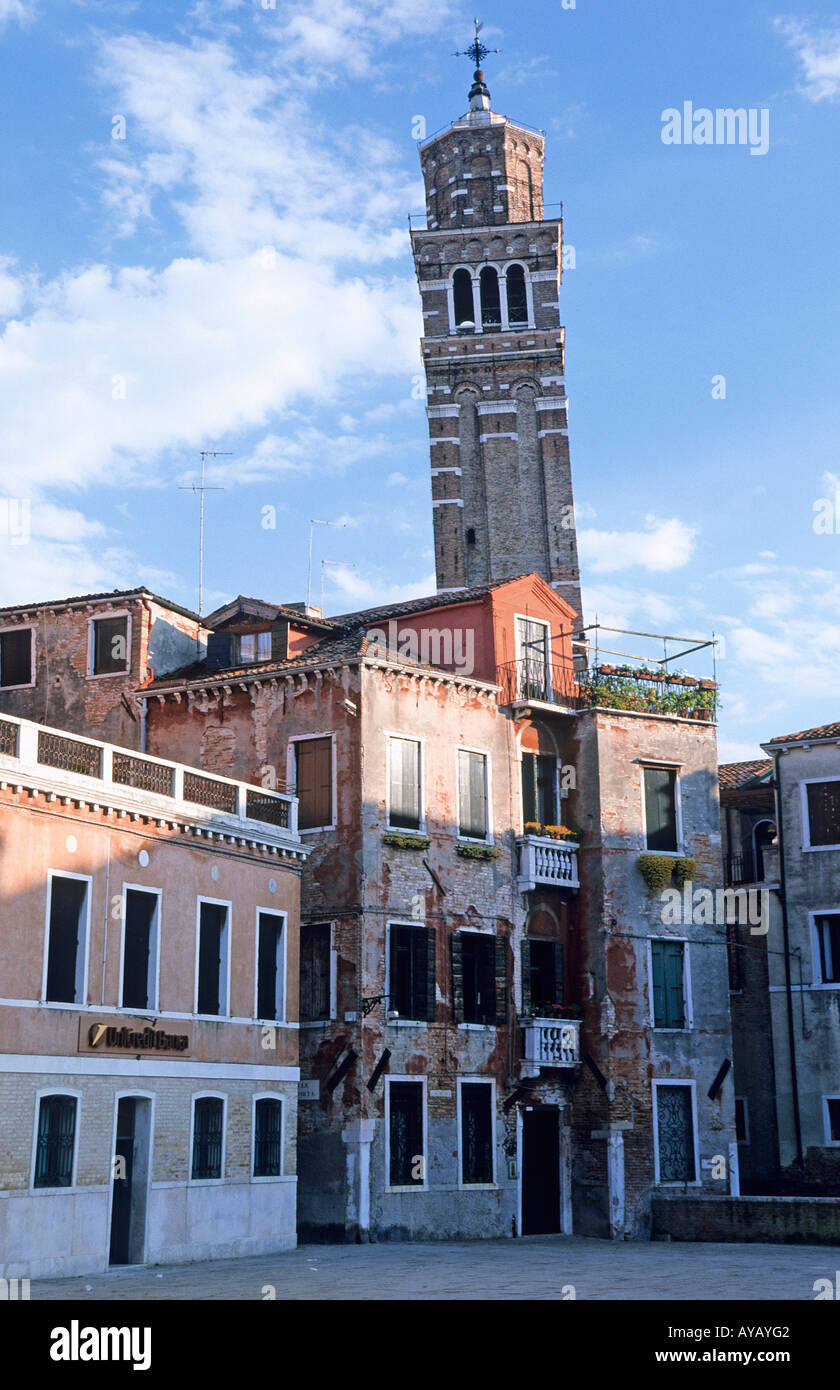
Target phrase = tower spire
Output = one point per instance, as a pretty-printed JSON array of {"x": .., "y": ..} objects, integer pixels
[{"x": 477, "y": 52}]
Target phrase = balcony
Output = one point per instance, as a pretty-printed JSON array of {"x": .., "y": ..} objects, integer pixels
[
  {"x": 547, "y": 863},
  {"x": 549, "y": 1044}
]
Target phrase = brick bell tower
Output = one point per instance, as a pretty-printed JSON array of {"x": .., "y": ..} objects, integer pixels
[{"x": 489, "y": 267}]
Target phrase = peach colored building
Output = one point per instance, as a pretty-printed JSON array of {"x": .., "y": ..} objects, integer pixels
[{"x": 149, "y": 920}]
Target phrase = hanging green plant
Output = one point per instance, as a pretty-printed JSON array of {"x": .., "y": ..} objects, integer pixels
[
  {"x": 684, "y": 871},
  {"x": 656, "y": 870}
]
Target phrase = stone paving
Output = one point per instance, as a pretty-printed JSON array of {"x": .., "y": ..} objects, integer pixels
[{"x": 538, "y": 1267}]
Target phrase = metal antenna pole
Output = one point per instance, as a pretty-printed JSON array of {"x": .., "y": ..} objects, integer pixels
[
  {"x": 314, "y": 522},
  {"x": 201, "y": 489}
]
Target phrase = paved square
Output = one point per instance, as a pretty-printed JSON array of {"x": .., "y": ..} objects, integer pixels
[{"x": 538, "y": 1267}]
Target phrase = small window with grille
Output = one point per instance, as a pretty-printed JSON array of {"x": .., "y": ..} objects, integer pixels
[
  {"x": 208, "y": 1137},
  {"x": 55, "y": 1141},
  {"x": 268, "y": 1138}
]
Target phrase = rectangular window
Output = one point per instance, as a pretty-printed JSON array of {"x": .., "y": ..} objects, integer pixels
[
  {"x": 742, "y": 1133},
  {"x": 208, "y": 1134},
  {"x": 16, "y": 657},
  {"x": 67, "y": 940},
  {"x": 268, "y": 1138},
  {"x": 270, "y": 983},
  {"x": 675, "y": 1134},
  {"x": 823, "y": 813},
  {"x": 472, "y": 795},
  {"x": 661, "y": 809},
  {"x": 313, "y": 782},
  {"x": 828, "y": 939},
  {"x": 666, "y": 960},
  {"x": 539, "y": 788},
  {"x": 405, "y": 1134},
  {"x": 212, "y": 958},
  {"x": 253, "y": 646},
  {"x": 110, "y": 645},
  {"x": 532, "y": 640},
  {"x": 139, "y": 948},
  {"x": 314, "y": 972},
  {"x": 478, "y": 973},
  {"x": 832, "y": 1119},
  {"x": 476, "y": 1133},
  {"x": 404, "y": 810},
  {"x": 55, "y": 1141},
  {"x": 542, "y": 974},
  {"x": 411, "y": 972}
]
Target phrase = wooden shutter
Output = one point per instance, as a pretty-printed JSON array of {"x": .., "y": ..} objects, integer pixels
[
  {"x": 457, "y": 977},
  {"x": 425, "y": 937},
  {"x": 404, "y": 789},
  {"x": 314, "y": 782},
  {"x": 526, "y": 975},
  {"x": 218, "y": 651},
  {"x": 314, "y": 971},
  {"x": 559, "y": 983},
  {"x": 657, "y": 963},
  {"x": 472, "y": 795},
  {"x": 280, "y": 642},
  {"x": 675, "y": 994},
  {"x": 501, "y": 981}
]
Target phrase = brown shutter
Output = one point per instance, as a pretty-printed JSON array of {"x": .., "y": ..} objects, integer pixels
[
  {"x": 526, "y": 975},
  {"x": 280, "y": 642},
  {"x": 314, "y": 782},
  {"x": 457, "y": 978},
  {"x": 501, "y": 982}
]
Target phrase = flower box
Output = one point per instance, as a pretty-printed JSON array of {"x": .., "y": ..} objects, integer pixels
[
  {"x": 477, "y": 851},
  {"x": 398, "y": 840}
]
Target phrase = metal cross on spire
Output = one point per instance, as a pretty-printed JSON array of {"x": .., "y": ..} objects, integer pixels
[{"x": 477, "y": 51}]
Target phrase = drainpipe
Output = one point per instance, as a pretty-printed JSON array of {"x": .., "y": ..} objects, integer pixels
[{"x": 797, "y": 1123}]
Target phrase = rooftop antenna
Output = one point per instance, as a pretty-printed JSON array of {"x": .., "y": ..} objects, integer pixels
[
  {"x": 343, "y": 564},
  {"x": 201, "y": 489},
  {"x": 314, "y": 522}
]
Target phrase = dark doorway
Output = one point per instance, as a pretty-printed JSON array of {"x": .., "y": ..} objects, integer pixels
[
  {"x": 130, "y": 1179},
  {"x": 540, "y": 1172}
]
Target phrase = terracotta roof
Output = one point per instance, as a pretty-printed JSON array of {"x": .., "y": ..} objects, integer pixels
[
  {"x": 344, "y": 647},
  {"x": 273, "y": 610},
  {"x": 446, "y": 599},
  {"x": 733, "y": 776},
  {"x": 823, "y": 731},
  {"x": 95, "y": 598}
]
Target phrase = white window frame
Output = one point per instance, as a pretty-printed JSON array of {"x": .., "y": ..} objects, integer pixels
[
  {"x": 529, "y": 297},
  {"x": 42, "y": 1094},
  {"x": 281, "y": 963},
  {"x": 400, "y": 1022},
  {"x": 269, "y": 1095},
  {"x": 153, "y": 981},
  {"x": 415, "y": 1187},
  {"x": 692, "y": 1085},
  {"x": 487, "y": 933},
  {"x": 208, "y": 1095},
  {"x": 676, "y": 768},
  {"x": 320, "y": 1022},
  {"x": 477, "y": 1186},
  {"x": 83, "y": 950},
  {"x": 743, "y": 1101},
  {"x": 817, "y": 981},
  {"x": 399, "y": 829},
  {"x": 544, "y": 623},
  {"x": 23, "y": 627},
  {"x": 291, "y": 775},
  {"x": 488, "y": 788},
  {"x": 688, "y": 1012},
  {"x": 807, "y": 847},
  {"x": 829, "y": 1142},
  {"x": 223, "y": 997},
  {"x": 106, "y": 617}
]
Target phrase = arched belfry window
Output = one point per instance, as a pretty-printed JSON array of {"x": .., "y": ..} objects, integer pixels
[
  {"x": 491, "y": 308},
  {"x": 517, "y": 298},
  {"x": 462, "y": 292}
]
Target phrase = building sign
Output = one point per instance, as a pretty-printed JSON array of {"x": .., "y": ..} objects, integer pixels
[
  {"x": 309, "y": 1090},
  {"x": 106, "y": 1037}
]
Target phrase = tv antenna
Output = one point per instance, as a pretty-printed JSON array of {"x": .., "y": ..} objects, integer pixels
[
  {"x": 314, "y": 522},
  {"x": 201, "y": 489}
]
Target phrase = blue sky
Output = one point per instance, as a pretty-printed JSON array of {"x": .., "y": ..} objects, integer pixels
[{"x": 235, "y": 275}]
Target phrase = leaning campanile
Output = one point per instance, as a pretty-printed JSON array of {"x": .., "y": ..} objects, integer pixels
[{"x": 489, "y": 267}]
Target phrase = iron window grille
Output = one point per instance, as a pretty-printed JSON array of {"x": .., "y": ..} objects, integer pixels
[
  {"x": 56, "y": 1139},
  {"x": 208, "y": 1130},
  {"x": 268, "y": 1139}
]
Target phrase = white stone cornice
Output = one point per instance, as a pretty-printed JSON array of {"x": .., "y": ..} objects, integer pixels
[
  {"x": 551, "y": 402},
  {"x": 496, "y": 407},
  {"x": 441, "y": 412}
]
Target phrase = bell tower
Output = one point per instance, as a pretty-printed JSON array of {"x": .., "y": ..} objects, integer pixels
[{"x": 489, "y": 268}]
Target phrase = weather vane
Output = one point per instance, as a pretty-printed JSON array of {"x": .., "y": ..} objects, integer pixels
[{"x": 477, "y": 50}]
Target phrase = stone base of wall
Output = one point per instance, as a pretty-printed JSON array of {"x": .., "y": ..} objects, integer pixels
[{"x": 773, "y": 1220}]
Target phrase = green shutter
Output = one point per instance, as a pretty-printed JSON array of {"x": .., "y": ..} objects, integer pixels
[
  {"x": 404, "y": 788},
  {"x": 501, "y": 982},
  {"x": 529, "y": 787},
  {"x": 457, "y": 978},
  {"x": 657, "y": 960},
  {"x": 526, "y": 975},
  {"x": 429, "y": 935},
  {"x": 674, "y": 992},
  {"x": 660, "y": 808}
]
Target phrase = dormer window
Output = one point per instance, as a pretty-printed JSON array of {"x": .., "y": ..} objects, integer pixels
[{"x": 252, "y": 646}]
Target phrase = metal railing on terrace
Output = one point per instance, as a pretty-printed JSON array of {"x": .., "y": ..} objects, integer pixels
[{"x": 65, "y": 757}]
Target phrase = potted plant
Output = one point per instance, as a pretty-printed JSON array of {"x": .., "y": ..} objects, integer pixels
[
  {"x": 533, "y": 827},
  {"x": 708, "y": 685}
]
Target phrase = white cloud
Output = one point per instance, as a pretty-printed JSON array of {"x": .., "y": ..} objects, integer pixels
[
  {"x": 818, "y": 54},
  {"x": 662, "y": 546},
  {"x": 736, "y": 751},
  {"x": 354, "y": 589},
  {"x": 21, "y": 10},
  {"x": 321, "y": 38}
]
